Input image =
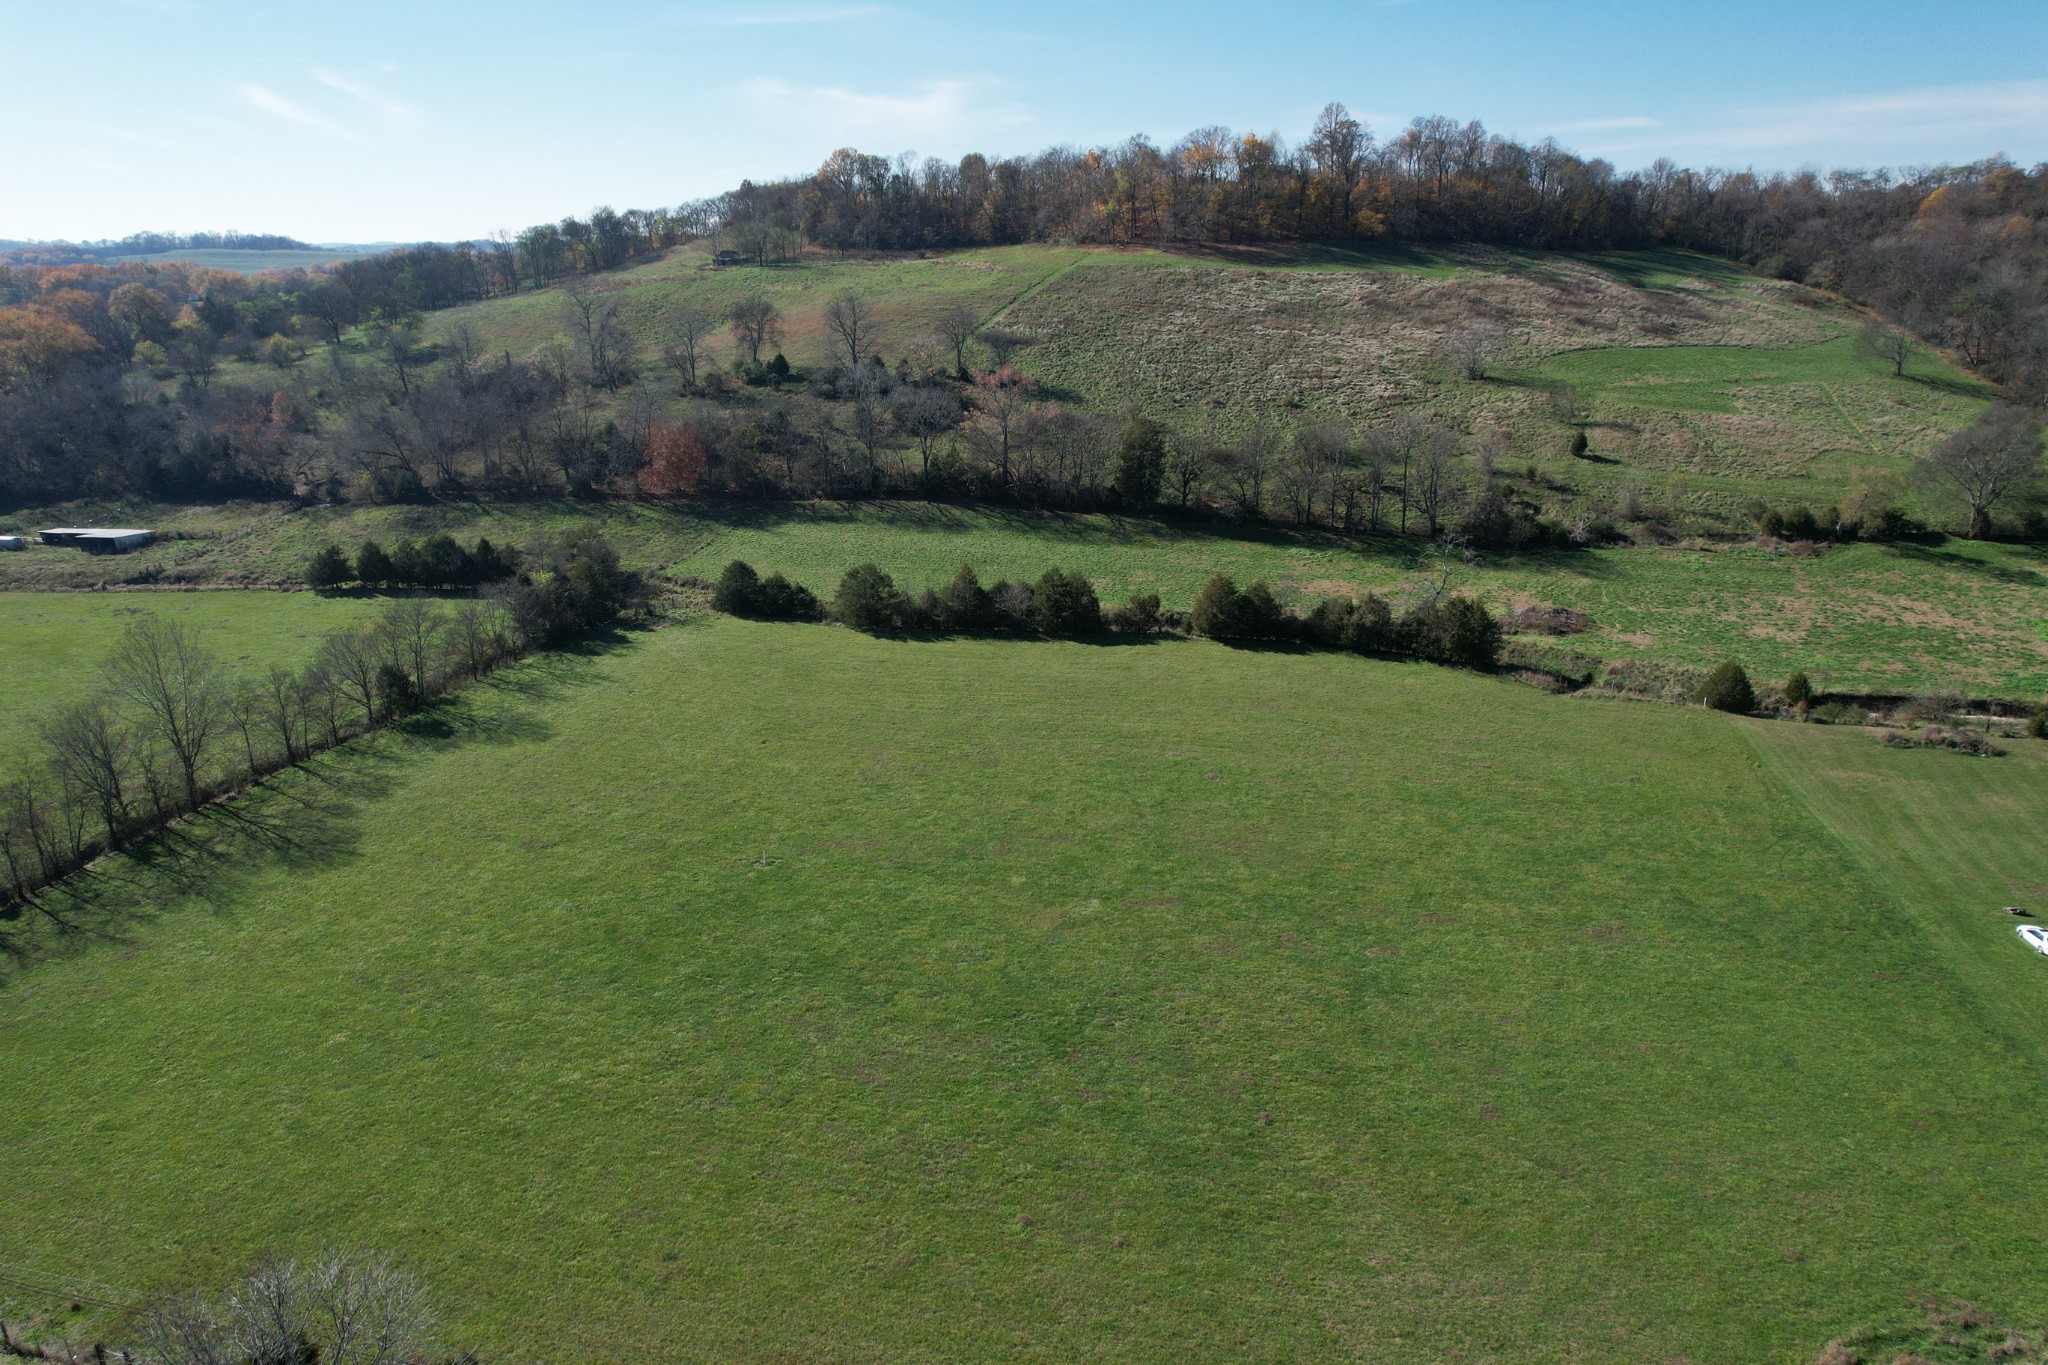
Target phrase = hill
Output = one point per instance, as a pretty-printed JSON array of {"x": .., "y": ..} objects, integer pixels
[
  {"x": 1685, "y": 368},
  {"x": 736, "y": 987}
]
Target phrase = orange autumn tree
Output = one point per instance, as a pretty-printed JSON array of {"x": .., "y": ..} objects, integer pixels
[{"x": 676, "y": 460}]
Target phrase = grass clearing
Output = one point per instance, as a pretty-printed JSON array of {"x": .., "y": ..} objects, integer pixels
[
  {"x": 54, "y": 642},
  {"x": 1860, "y": 618},
  {"x": 777, "y": 992}
]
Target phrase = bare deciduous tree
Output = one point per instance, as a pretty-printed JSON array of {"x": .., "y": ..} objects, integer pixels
[
  {"x": 851, "y": 321},
  {"x": 1436, "y": 478},
  {"x": 689, "y": 332},
  {"x": 925, "y": 413},
  {"x": 1187, "y": 466},
  {"x": 341, "y": 1307},
  {"x": 1003, "y": 344},
  {"x": 755, "y": 323},
  {"x": 1998, "y": 455},
  {"x": 1477, "y": 349},
  {"x": 1888, "y": 344},
  {"x": 90, "y": 748},
  {"x": 956, "y": 328},
  {"x": 608, "y": 345},
  {"x": 179, "y": 688}
]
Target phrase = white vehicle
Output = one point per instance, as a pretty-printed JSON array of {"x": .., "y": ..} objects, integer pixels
[{"x": 2034, "y": 936}]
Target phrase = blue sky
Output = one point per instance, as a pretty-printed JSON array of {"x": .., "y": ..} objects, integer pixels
[{"x": 380, "y": 120}]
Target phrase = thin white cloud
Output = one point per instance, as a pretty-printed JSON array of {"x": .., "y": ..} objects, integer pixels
[
  {"x": 939, "y": 113},
  {"x": 1929, "y": 120},
  {"x": 270, "y": 102},
  {"x": 390, "y": 108}
]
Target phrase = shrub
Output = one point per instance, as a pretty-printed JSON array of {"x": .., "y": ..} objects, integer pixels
[
  {"x": 1579, "y": 445},
  {"x": 329, "y": 569},
  {"x": 1799, "y": 690},
  {"x": 739, "y": 590},
  {"x": 578, "y": 586},
  {"x": 782, "y": 600},
  {"x": 443, "y": 563},
  {"x": 491, "y": 563},
  {"x": 1012, "y": 605},
  {"x": 373, "y": 566},
  {"x": 1140, "y": 462},
  {"x": 868, "y": 600},
  {"x": 1215, "y": 608},
  {"x": 1838, "y": 713},
  {"x": 396, "y": 691},
  {"x": 405, "y": 563},
  {"x": 1451, "y": 630},
  {"x": 964, "y": 604},
  {"x": 1064, "y": 604},
  {"x": 1727, "y": 688},
  {"x": 1341, "y": 623},
  {"x": 1139, "y": 616},
  {"x": 2037, "y": 724}
]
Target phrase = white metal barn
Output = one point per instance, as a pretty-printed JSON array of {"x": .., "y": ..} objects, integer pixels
[{"x": 98, "y": 540}]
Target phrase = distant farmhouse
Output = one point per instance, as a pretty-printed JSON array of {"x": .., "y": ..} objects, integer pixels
[{"x": 97, "y": 540}]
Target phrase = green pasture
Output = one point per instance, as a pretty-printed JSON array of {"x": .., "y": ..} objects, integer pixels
[
  {"x": 1867, "y": 618},
  {"x": 52, "y": 644},
  {"x": 761, "y": 992}
]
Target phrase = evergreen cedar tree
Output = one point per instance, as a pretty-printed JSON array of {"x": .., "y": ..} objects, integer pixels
[
  {"x": 868, "y": 599},
  {"x": 1140, "y": 462},
  {"x": 1727, "y": 688},
  {"x": 436, "y": 562},
  {"x": 329, "y": 568},
  {"x": 1450, "y": 630},
  {"x": 742, "y": 592},
  {"x": 1064, "y": 605},
  {"x": 1799, "y": 690}
]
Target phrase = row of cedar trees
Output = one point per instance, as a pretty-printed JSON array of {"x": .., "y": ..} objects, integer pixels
[
  {"x": 1443, "y": 628},
  {"x": 168, "y": 727},
  {"x": 439, "y": 561}
]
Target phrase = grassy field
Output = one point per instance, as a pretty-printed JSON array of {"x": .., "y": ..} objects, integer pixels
[
  {"x": 52, "y": 644},
  {"x": 1901, "y": 618},
  {"x": 775, "y": 993}
]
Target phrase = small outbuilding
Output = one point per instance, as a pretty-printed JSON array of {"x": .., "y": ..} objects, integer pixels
[
  {"x": 98, "y": 540},
  {"x": 13, "y": 543}
]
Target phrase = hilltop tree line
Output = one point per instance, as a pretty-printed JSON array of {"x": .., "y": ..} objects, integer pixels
[
  {"x": 168, "y": 726},
  {"x": 1955, "y": 253},
  {"x": 147, "y": 244}
]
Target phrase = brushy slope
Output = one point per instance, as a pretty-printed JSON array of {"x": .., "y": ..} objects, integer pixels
[
  {"x": 1746, "y": 387},
  {"x": 775, "y": 992},
  {"x": 1880, "y": 618}
]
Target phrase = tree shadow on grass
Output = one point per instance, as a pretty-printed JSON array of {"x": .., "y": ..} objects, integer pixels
[
  {"x": 1966, "y": 564},
  {"x": 1952, "y": 385},
  {"x": 302, "y": 819}
]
